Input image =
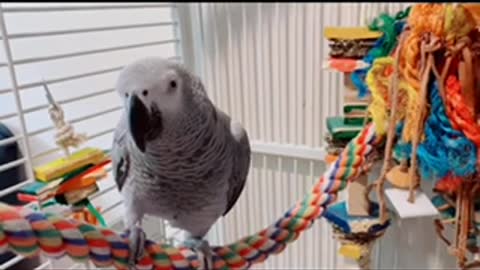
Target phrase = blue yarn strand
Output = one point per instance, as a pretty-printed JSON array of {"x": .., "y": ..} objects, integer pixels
[
  {"x": 444, "y": 150},
  {"x": 382, "y": 47}
]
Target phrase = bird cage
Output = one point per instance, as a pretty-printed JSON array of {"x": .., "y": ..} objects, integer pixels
[{"x": 260, "y": 62}]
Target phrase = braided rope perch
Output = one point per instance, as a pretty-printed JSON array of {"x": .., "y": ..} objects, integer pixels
[{"x": 27, "y": 233}]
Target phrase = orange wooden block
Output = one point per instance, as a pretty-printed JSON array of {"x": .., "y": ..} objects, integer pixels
[
  {"x": 83, "y": 180},
  {"x": 85, "y": 216}
]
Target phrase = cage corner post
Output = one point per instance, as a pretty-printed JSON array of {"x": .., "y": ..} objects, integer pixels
[
  {"x": 185, "y": 17},
  {"x": 16, "y": 92}
]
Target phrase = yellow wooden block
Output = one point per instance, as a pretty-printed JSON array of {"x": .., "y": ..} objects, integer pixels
[
  {"x": 350, "y": 33},
  {"x": 75, "y": 161},
  {"x": 351, "y": 251}
]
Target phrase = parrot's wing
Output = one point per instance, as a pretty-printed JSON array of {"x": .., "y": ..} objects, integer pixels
[
  {"x": 241, "y": 164},
  {"x": 120, "y": 157}
]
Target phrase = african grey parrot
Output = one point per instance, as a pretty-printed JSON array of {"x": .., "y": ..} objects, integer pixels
[{"x": 175, "y": 155}]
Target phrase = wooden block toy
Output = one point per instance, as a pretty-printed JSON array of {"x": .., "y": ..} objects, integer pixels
[
  {"x": 38, "y": 191},
  {"x": 347, "y": 81},
  {"x": 340, "y": 130},
  {"x": 355, "y": 112},
  {"x": 355, "y": 119},
  {"x": 37, "y": 188},
  {"x": 84, "y": 215},
  {"x": 350, "y": 97},
  {"x": 344, "y": 65},
  {"x": 351, "y": 33},
  {"x": 351, "y": 251},
  {"x": 65, "y": 165},
  {"x": 357, "y": 203},
  {"x": 398, "y": 177},
  {"x": 352, "y": 107},
  {"x": 421, "y": 207},
  {"x": 77, "y": 195},
  {"x": 350, "y": 42},
  {"x": 337, "y": 214},
  {"x": 86, "y": 178}
]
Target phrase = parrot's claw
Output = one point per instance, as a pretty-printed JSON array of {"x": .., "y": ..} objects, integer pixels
[
  {"x": 203, "y": 248},
  {"x": 137, "y": 240}
]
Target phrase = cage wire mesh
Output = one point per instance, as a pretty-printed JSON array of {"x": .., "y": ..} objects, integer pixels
[
  {"x": 78, "y": 50},
  {"x": 260, "y": 62}
]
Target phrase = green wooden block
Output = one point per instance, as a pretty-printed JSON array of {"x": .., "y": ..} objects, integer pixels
[
  {"x": 34, "y": 188},
  {"x": 357, "y": 121},
  {"x": 355, "y": 107},
  {"x": 339, "y": 130}
]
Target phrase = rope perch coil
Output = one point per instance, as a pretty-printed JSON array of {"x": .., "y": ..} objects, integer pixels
[{"x": 27, "y": 233}]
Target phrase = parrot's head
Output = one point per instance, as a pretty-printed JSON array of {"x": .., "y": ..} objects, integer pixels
[{"x": 153, "y": 90}]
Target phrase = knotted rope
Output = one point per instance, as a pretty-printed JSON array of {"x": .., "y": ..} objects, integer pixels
[
  {"x": 445, "y": 150},
  {"x": 26, "y": 233},
  {"x": 65, "y": 135}
]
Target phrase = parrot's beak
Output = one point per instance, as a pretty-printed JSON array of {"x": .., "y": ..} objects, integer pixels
[{"x": 138, "y": 121}]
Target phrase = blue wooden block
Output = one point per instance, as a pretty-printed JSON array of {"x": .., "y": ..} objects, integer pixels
[{"x": 337, "y": 214}]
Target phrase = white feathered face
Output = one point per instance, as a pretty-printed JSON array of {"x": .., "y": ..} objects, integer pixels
[{"x": 152, "y": 89}]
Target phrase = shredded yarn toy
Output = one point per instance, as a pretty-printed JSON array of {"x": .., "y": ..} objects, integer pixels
[{"x": 431, "y": 106}]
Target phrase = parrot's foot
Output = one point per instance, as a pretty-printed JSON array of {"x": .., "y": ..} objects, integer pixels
[
  {"x": 137, "y": 240},
  {"x": 203, "y": 248}
]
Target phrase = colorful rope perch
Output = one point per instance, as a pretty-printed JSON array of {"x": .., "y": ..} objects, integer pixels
[{"x": 26, "y": 233}]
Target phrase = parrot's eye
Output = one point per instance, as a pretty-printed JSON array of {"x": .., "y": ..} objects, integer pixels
[
  {"x": 145, "y": 92},
  {"x": 173, "y": 84}
]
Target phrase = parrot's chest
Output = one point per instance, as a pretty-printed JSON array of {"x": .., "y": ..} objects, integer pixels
[
  {"x": 183, "y": 179},
  {"x": 179, "y": 187}
]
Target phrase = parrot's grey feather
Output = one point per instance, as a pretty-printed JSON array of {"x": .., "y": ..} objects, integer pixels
[
  {"x": 194, "y": 170},
  {"x": 241, "y": 162},
  {"x": 119, "y": 155}
]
